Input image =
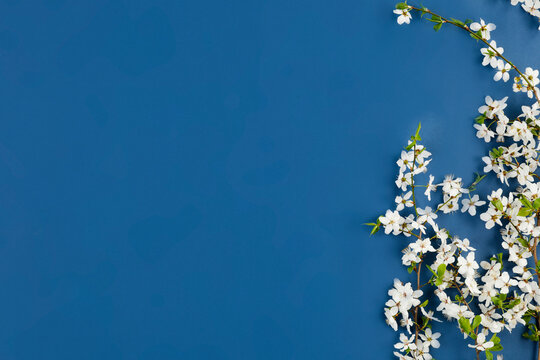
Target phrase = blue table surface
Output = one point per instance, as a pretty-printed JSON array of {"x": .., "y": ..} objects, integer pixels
[{"x": 189, "y": 179}]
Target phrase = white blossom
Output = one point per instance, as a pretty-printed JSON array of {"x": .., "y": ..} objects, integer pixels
[
  {"x": 495, "y": 292},
  {"x": 471, "y": 204},
  {"x": 404, "y": 16},
  {"x": 485, "y": 29},
  {"x": 502, "y": 71},
  {"x": 481, "y": 343}
]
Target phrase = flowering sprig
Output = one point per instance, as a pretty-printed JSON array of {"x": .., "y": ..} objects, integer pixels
[
  {"x": 485, "y": 297},
  {"x": 454, "y": 269},
  {"x": 481, "y": 31},
  {"x": 530, "y": 6}
]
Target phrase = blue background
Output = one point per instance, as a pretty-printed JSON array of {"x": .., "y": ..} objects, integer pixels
[{"x": 189, "y": 179}]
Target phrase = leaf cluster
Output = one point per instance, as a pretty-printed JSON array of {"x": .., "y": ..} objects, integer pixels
[
  {"x": 531, "y": 331},
  {"x": 469, "y": 327}
]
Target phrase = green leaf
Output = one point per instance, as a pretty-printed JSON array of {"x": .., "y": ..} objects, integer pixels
[
  {"x": 376, "y": 226},
  {"x": 523, "y": 242},
  {"x": 529, "y": 336},
  {"x": 459, "y": 22},
  {"x": 437, "y": 27},
  {"x": 489, "y": 355},
  {"x": 496, "y": 301},
  {"x": 477, "y": 35},
  {"x": 526, "y": 203},
  {"x": 514, "y": 303},
  {"x": 424, "y": 304},
  {"x": 495, "y": 339},
  {"x": 441, "y": 270},
  {"x": 496, "y": 152},
  {"x": 524, "y": 212},
  {"x": 527, "y": 317},
  {"x": 498, "y": 258},
  {"x": 480, "y": 119},
  {"x": 402, "y": 6},
  {"x": 536, "y": 204},
  {"x": 498, "y": 204},
  {"x": 497, "y": 347},
  {"x": 476, "y": 322},
  {"x": 465, "y": 325},
  {"x": 410, "y": 146}
]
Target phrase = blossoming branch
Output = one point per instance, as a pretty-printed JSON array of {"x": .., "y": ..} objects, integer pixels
[{"x": 485, "y": 297}]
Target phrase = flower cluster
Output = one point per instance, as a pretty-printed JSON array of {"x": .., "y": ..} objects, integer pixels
[
  {"x": 485, "y": 297},
  {"x": 530, "y": 6},
  {"x": 479, "y": 296}
]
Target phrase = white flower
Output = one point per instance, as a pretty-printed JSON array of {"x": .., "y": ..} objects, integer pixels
[
  {"x": 467, "y": 265},
  {"x": 484, "y": 28},
  {"x": 403, "y": 201},
  {"x": 406, "y": 161},
  {"x": 472, "y": 286},
  {"x": 471, "y": 204},
  {"x": 429, "y": 315},
  {"x": 532, "y": 77},
  {"x": 422, "y": 246},
  {"x": 531, "y": 6},
  {"x": 492, "y": 107},
  {"x": 490, "y": 56},
  {"x": 404, "y": 16},
  {"x": 504, "y": 282},
  {"x": 392, "y": 222},
  {"x": 406, "y": 323},
  {"x": 405, "y": 343},
  {"x": 402, "y": 356},
  {"x": 491, "y": 217},
  {"x": 524, "y": 174},
  {"x": 404, "y": 295},
  {"x": 464, "y": 244},
  {"x": 530, "y": 112},
  {"x": 430, "y": 187},
  {"x": 409, "y": 256},
  {"x": 483, "y": 132},
  {"x": 427, "y": 215},
  {"x": 481, "y": 343},
  {"x": 430, "y": 339},
  {"x": 422, "y": 353},
  {"x": 503, "y": 71},
  {"x": 404, "y": 180},
  {"x": 389, "y": 313},
  {"x": 452, "y": 187}
]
